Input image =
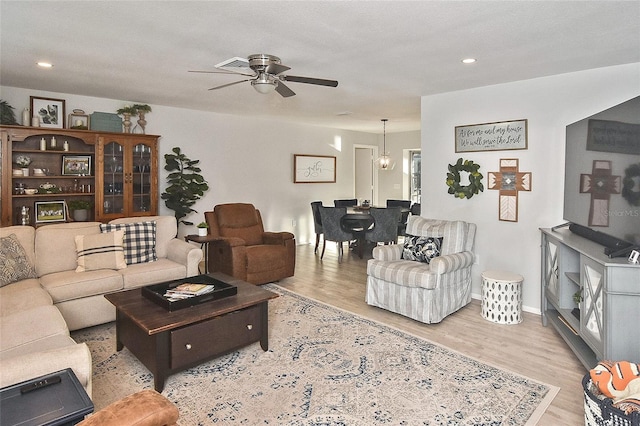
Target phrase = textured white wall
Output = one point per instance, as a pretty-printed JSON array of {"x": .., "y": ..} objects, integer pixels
[{"x": 549, "y": 104}]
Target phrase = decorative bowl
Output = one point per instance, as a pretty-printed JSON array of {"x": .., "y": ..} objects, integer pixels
[{"x": 30, "y": 191}]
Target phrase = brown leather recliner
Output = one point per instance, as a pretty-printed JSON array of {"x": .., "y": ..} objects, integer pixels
[{"x": 241, "y": 248}]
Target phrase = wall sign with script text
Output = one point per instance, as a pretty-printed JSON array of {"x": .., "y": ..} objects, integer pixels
[
  {"x": 500, "y": 136},
  {"x": 314, "y": 168}
]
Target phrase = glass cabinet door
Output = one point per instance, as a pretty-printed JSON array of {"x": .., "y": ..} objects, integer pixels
[
  {"x": 114, "y": 178},
  {"x": 141, "y": 178}
]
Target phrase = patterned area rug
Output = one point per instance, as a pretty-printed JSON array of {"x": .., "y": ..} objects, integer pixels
[{"x": 327, "y": 367}]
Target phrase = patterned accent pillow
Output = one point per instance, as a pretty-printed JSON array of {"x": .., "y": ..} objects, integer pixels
[
  {"x": 421, "y": 249},
  {"x": 100, "y": 251},
  {"x": 14, "y": 264},
  {"x": 139, "y": 240}
]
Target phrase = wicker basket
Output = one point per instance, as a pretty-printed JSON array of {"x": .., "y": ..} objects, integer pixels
[{"x": 599, "y": 412}]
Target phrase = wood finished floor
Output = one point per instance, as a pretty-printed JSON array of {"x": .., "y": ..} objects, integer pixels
[{"x": 527, "y": 348}]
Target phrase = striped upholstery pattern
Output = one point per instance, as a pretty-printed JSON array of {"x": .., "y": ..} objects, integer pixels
[
  {"x": 100, "y": 251},
  {"x": 424, "y": 292}
]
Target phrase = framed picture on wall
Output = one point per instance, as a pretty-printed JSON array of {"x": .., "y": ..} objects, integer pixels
[
  {"x": 50, "y": 112},
  {"x": 314, "y": 168}
]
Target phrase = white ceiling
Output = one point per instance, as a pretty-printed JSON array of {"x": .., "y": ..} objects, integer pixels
[{"x": 385, "y": 54}]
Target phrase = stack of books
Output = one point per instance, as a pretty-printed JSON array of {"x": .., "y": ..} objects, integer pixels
[{"x": 187, "y": 290}]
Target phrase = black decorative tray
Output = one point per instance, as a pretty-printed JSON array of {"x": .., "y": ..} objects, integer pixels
[{"x": 156, "y": 292}]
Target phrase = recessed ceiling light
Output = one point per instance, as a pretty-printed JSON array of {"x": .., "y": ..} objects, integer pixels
[
  {"x": 45, "y": 65},
  {"x": 468, "y": 61}
]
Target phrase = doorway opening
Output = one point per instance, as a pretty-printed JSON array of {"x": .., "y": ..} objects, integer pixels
[
  {"x": 364, "y": 174},
  {"x": 415, "y": 176}
]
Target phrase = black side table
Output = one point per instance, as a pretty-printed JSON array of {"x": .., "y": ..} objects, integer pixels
[
  {"x": 56, "y": 399},
  {"x": 204, "y": 245}
]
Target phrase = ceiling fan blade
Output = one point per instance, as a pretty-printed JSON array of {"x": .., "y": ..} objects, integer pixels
[
  {"x": 284, "y": 91},
  {"x": 229, "y": 84},
  {"x": 222, "y": 72},
  {"x": 309, "y": 80},
  {"x": 276, "y": 68}
]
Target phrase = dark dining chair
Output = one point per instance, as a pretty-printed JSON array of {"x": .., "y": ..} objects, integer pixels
[
  {"x": 330, "y": 217},
  {"x": 317, "y": 222},
  {"x": 385, "y": 228},
  {"x": 405, "y": 206},
  {"x": 351, "y": 202}
]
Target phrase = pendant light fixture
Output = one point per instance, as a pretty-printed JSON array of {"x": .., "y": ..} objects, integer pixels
[{"x": 384, "y": 161}]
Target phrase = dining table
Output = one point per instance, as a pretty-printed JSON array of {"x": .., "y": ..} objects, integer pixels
[{"x": 357, "y": 222}]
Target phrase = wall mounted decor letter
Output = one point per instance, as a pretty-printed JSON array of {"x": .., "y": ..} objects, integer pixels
[{"x": 314, "y": 168}]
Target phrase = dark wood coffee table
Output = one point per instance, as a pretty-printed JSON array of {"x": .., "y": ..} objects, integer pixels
[{"x": 168, "y": 342}]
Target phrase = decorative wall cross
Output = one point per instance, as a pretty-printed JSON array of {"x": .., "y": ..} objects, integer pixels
[
  {"x": 509, "y": 181},
  {"x": 600, "y": 184}
]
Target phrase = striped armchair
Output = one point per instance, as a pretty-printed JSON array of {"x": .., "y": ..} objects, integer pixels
[{"x": 426, "y": 292}]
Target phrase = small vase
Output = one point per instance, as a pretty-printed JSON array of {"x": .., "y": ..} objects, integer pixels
[
  {"x": 126, "y": 122},
  {"x": 81, "y": 215},
  {"x": 25, "y": 171},
  {"x": 141, "y": 121},
  {"x": 202, "y": 232}
]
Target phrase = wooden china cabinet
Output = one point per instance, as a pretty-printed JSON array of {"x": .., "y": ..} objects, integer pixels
[
  {"x": 127, "y": 175},
  {"x": 116, "y": 172}
]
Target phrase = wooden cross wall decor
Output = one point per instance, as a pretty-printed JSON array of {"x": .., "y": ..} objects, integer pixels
[
  {"x": 600, "y": 184},
  {"x": 509, "y": 181}
]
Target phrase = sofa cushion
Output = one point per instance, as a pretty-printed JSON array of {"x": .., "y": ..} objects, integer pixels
[
  {"x": 100, "y": 251},
  {"x": 22, "y": 298},
  {"x": 71, "y": 285},
  {"x": 139, "y": 240},
  {"x": 33, "y": 327},
  {"x": 143, "y": 274},
  {"x": 406, "y": 273},
  {"x": 55, "y": 245},
  {"x": 26, "y": 237},
  {"x": 421, "y": 249},
  {"x": 166, "y": 230},
  {"x": 14, "y": 264},
  {"x": 453, "y": 232}
]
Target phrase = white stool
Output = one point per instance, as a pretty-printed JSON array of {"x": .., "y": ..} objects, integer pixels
[{"x": 502, "y": 297}]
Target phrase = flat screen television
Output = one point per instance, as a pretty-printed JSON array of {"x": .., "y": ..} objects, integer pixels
[{"x": 602, "y": 178}]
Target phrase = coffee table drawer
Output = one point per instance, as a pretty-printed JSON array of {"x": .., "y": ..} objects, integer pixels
[{"x": 206, "y": 339}]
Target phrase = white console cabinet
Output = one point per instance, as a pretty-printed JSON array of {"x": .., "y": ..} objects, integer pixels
[{"x": 605, "y": 323}]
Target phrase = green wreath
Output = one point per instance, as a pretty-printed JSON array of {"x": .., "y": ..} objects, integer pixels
[
  {"x": 475, "y": 179},
  {"x": 631, "y": 173}
]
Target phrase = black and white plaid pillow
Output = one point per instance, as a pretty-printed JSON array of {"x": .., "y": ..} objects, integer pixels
[
  {"x": 421, "y": 249},
  {"x": 139, "y": 240}
]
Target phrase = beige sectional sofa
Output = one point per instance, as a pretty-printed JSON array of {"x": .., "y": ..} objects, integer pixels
[{"x": 36, "y": 314}]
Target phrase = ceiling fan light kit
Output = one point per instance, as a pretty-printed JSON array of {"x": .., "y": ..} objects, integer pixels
[{"x": 266, "y": 71}]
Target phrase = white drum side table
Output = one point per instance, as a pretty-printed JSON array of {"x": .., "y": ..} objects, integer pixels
[{"x": 502, "y": 297}]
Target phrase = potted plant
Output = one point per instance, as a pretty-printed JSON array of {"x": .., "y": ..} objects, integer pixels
[
  {"x": 80, "y": 209},
  {"x": 141, "y": 110},
  {"x": 126, "y": 113},
  {"x": 185, "y": 184},
  {"x": 203, "y": 229}
]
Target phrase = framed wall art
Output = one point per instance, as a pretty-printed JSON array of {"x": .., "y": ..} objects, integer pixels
[
  {"x": 76, "y": 165},
  {"x": 499, "y": 136},
  {"x": 51, "y": 211},
  {"x": 50, "y": 112},
  {"x": 314, "y": 168}
]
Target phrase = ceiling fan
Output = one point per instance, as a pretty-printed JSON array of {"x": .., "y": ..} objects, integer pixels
[{"x": 266, "y": 74}]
